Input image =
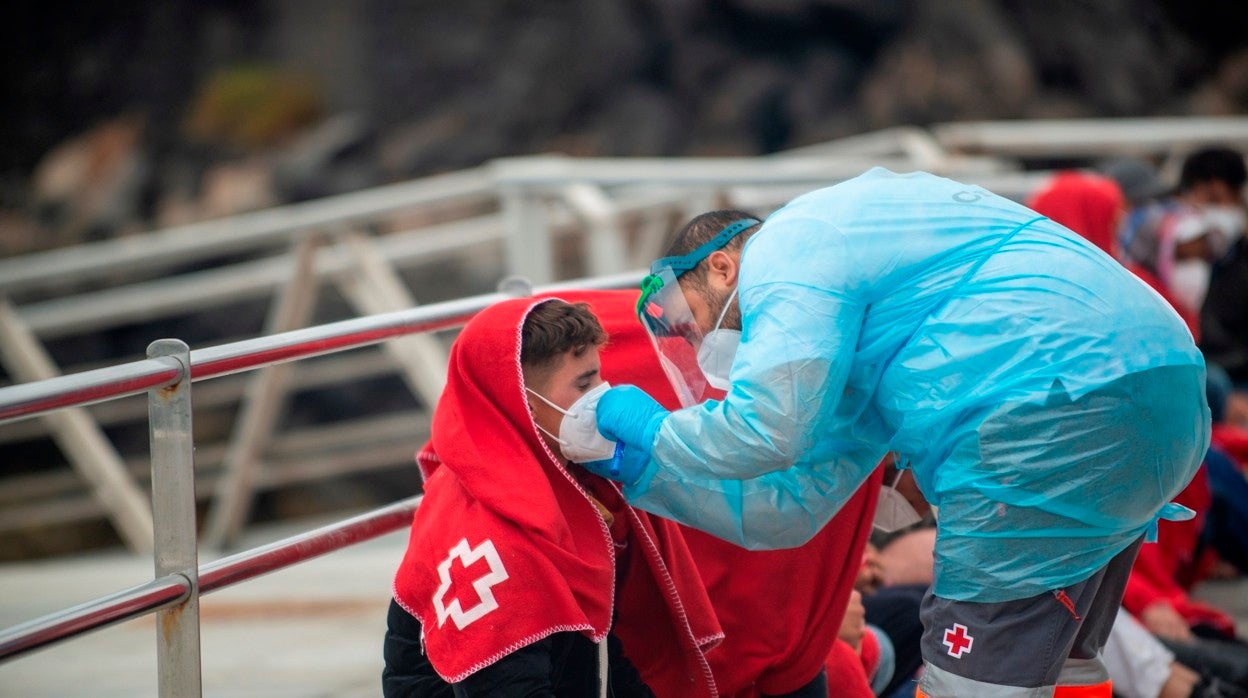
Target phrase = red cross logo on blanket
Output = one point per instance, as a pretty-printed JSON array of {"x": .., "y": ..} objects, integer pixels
[
  {"x": 958, "y": 641},
  {"x": 483, "y": 586}
]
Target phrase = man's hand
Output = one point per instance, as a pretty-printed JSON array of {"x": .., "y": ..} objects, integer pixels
[
  {"x": 854, "y": 624},
  {"x": 626, "y": 414},
  {"x": 1165, "y": 622}
]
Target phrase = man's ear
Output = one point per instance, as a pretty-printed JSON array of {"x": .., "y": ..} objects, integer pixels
[{"x": 722, "y": 268}]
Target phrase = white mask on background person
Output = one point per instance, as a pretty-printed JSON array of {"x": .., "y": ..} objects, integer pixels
[
  {"x": 893, "y": 511},
  {"x": 1189, "y": 281},
  {"x": 717, "y": 350},
  {"x": 1225, "y": 225},
  {"x": 1230, "y": 220},
  {"x": 578, "y": 438}
]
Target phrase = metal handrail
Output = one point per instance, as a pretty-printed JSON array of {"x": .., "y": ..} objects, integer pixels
[
  {"x": 86, "y": 388},
  {"x": 31, "y": 399},
  {"x": 244, "y": 231},
  {"x": 172, "y": 589},
  {"x": 305, "y": 546},
  {"x": 124, "y": 605},
  {"x": 1091, "y": 137}
]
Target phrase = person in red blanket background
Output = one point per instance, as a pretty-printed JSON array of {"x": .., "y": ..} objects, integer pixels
[{"x": 518, "y": 558}]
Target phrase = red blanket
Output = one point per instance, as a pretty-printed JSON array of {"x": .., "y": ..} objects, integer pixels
[
  {"x": 780, "y": 609},
  {"x": 507, "y": 547}
]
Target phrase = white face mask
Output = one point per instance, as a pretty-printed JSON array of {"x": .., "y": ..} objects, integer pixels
[
  {"x": 893, "y": 511},
  {"x": 578, "y": 437},
  {"x": 716, "y": 352},
  {"x": 1228, "y": 219},
  {"x": 1189, "y": 281}
]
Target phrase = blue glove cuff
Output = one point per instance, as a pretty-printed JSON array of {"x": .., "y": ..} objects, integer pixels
[{"x": 641, "y": 485}]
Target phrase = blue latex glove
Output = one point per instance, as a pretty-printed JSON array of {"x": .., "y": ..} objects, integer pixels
[{"x": 627, "y": 415}]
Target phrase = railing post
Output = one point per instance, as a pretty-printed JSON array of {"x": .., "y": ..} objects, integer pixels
[
  {"x": 529, "y": 249},
  {"x": 605, "y": 244},
  {"x": 261, "y": 404},
  {"x": 173, "y": 511}
]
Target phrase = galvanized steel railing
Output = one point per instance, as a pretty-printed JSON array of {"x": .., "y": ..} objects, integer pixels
[{"x": 166, "y": 375}]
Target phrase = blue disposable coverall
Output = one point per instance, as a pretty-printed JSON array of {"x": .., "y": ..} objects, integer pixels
[{"x": 997, "y": 352}]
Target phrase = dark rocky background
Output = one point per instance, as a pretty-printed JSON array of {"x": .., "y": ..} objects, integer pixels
[{"x": 123, "y": 116}]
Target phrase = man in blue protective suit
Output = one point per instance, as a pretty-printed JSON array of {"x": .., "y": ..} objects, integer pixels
[{"x": 1048, "y": 403}]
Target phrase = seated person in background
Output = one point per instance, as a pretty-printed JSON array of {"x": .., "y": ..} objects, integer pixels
[
  {"x": 1157, "y": 593},
  {"x": 1224, "y": 326},
  {"x": 1226, "y": 526},
  {"x": 896, "y": 574},
  {"x": 781, "y": 610},
  {"x": 1094, "y": 206},
  {"x": 1142, "y": 667},
  {"x": 519, "y": 560},
  {"x": 1179, "y": 238},
  {"x": 856, "y": 660}
]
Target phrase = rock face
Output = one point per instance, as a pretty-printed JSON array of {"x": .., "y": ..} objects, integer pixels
[
  {"x": 410, "y": 87},
  {"x": 119, "y": 120}
]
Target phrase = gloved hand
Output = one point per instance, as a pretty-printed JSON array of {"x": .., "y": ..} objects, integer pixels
[
  {"x": 627, "y": 415},
  {"x": 611, "y": 468}
]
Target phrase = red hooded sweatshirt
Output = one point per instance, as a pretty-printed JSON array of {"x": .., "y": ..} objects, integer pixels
[
  {"x": 507, "y": 547},
  {"x": 781, "y": 610}
]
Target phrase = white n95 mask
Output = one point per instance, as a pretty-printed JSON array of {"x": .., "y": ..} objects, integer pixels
[
  {"x": 578, "y": 438},
  {"x": 893, "y": 511},
  {"x": 1189, "y": 282},
  {"x": 717, "y": 350},
  {"x": 1230, "y": 220}
]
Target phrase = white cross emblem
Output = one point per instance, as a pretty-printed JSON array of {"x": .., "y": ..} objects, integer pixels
[{"x": 481, "y": 586}]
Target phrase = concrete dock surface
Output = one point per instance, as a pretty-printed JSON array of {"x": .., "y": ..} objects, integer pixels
[{"x": 310, "y": 630}]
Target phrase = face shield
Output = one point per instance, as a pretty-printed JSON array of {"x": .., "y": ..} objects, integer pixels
[{"x": 670, "y": 323}]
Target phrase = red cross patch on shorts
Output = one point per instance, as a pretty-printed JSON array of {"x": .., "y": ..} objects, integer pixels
[{"x": 958, "y": 641}]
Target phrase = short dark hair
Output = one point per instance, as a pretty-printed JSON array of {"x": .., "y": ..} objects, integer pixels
[
  {"x": 1217, "y": 163},
  {"x": 704, "y": 227},
  {"x": 554, "y": 328}
]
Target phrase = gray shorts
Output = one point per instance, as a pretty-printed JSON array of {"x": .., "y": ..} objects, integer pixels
[{"x": 1023, "y": 647}]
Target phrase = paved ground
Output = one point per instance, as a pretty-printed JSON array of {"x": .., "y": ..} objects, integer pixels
[{"x": 312, "y": 630}]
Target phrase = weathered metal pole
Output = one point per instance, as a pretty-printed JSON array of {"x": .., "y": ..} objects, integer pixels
[{"x": 173, "y": 511}]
